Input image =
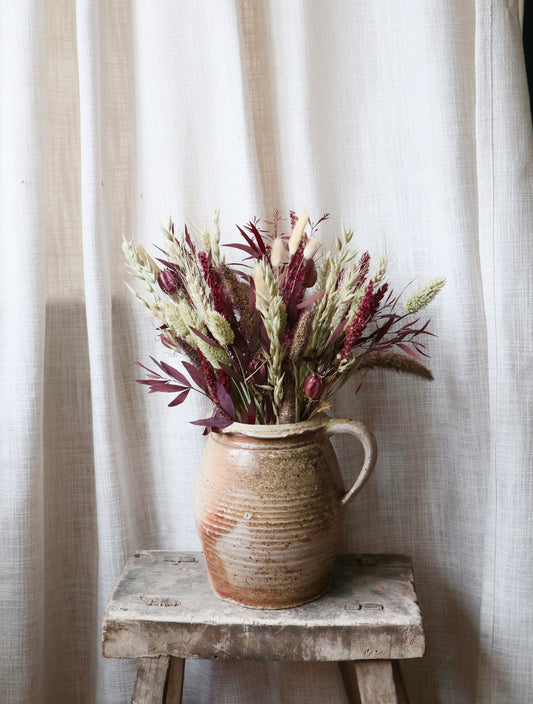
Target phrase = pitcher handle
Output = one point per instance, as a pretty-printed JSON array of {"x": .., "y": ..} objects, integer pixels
[{"x": 367, "y": 440}]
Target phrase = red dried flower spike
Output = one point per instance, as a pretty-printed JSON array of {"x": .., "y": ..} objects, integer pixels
[
  {"x": 313, "y": 386},
  {"x": 167, "y": 281}
]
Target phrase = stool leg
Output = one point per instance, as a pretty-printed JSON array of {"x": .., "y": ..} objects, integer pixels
[
  {"x": 151, "y": 680},
  {"x": 376, "y": 682},
  {"x": 347, "y": 669},
  {"x": 175, "y": 681},
  {"x": 400, "y": 684}
]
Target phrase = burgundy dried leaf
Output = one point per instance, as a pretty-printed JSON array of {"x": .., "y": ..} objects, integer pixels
[
  {"x": 338, "y": 331},
  {"x": 409, "y": 351},
  {"x": 309, "y": 301},
  {"x": 225, "y": 401},
  {"x": 230, "y": 371},
  {"x": 152, "y": 374},
  {"x": 149, "y": 382},
  {"x": 250, "y": 415},
  {"x": 251, "y": 227},
  {"x": 180, "y": 398},
  {"x": 205, "y": 338},
  {"x": 196, "y": 375},
  {"x": 164, "y": 386},
  {"x": 175, "y": 374},
  {"x": 243, "y": 248},
  {"x": 189, "y": 241},
  {"x": 168, "y": 264},
  {"x": 213, "y": 422},
  {"x": 252, "y": 244},
  {"x": 251, "y": 296},
  {"x": 158, "y": 364}
]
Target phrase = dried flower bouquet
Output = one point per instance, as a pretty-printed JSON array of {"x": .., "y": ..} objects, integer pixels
[{"x": 272, "y": 341}]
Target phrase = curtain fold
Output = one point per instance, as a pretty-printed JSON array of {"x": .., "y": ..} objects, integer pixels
[
  {"x": 505, "y": 170},
  {"x": 409, "y": 123}
]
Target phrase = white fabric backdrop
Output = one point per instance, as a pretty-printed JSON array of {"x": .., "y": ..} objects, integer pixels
[{"x": 408, "y": 121}]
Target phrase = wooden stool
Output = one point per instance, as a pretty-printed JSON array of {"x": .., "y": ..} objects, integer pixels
[{"x": 163, "y": 612}]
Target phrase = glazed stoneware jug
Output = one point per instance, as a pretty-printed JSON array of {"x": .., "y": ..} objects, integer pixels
[{"x": 268, "y": 506}]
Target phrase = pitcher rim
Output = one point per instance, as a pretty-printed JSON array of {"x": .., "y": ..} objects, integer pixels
[{"x": 277, "y": 429}]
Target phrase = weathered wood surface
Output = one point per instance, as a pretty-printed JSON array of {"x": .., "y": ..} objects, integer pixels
[
  {"x": 163, "y": 605},
  {"x": 151, "y": 680},
  {"x": 175, "y": 681},
  {"x": 376, "y": 682},
  {"x": 400, "y": 684},
  {"x": 350, "y": 682}
]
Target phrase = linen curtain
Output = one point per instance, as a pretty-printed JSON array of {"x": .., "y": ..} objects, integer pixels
[{"x": 408, "y": 122}]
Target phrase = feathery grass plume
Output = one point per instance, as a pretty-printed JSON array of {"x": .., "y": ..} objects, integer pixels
[
  {"x": 360, "y": 287},
  {"x": 217, "y": 258},
  {"x": 278, "y": 253},
  {"x": 262, "y": 291},
  {"x": 349, "y": 288},
  {"x": 311, "y": 248},
  {"x": 256, "y": 342},
  {"x": 220, "y": 328},
  {"x": 190, "y": 317},
  {"x": 142, "y": 267},
  {"x": 197, "y": 289},
  {"x": 302, "y": 333},
  {"x": 287, "y": 412},
  {"x": 424, "y": 295},
  {"x": 216, "y": 356},
  {"x": 345, "y": 252},
  {"x": 150, "y": 264},
  {"x": 168, "y": 231},
  {"x": 274, "y": 315},
  {"x": 380, "y": 272},
  {"x": 394, "y": 361},
  {"x": 326, "y": 307},
  {"x": 194, "y": 282},
  {"x": 238, "y": 291},
  {"x": 330, "y": 274},
  {"x": 298, "y": 231},
  {"x": 173, "y": 318}
]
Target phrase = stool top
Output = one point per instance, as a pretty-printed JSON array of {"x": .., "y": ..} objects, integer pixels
[{"x": 163, "y": 605}]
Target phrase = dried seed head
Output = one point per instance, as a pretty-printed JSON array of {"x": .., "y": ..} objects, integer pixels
[
  {"x": 298, "y": 232},
  {"x": 147, "y": 259},
  {"x": 311, "y": 248},
  {"x": 311, "y": 274},
  {"x": 220, "y": 328},
  {"x": 424, "y": 295},
  {"x": 313, "y": 386},
  {"x": 167, "y": 281},
  {"x": 261, "y": 287},
  {"x": 278, "y": 254}
]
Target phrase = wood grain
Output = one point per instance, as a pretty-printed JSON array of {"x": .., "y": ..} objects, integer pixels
[{"x": 163, "y": 605}]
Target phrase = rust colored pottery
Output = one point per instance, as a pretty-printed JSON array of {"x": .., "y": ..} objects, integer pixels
[{"x": 269, "y": 504}]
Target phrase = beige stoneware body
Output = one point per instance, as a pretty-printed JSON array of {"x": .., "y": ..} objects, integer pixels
[{"x": 268, "y": 506}]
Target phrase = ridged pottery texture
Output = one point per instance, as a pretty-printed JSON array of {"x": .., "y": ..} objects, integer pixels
[{"x": 269, "y": 504}]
